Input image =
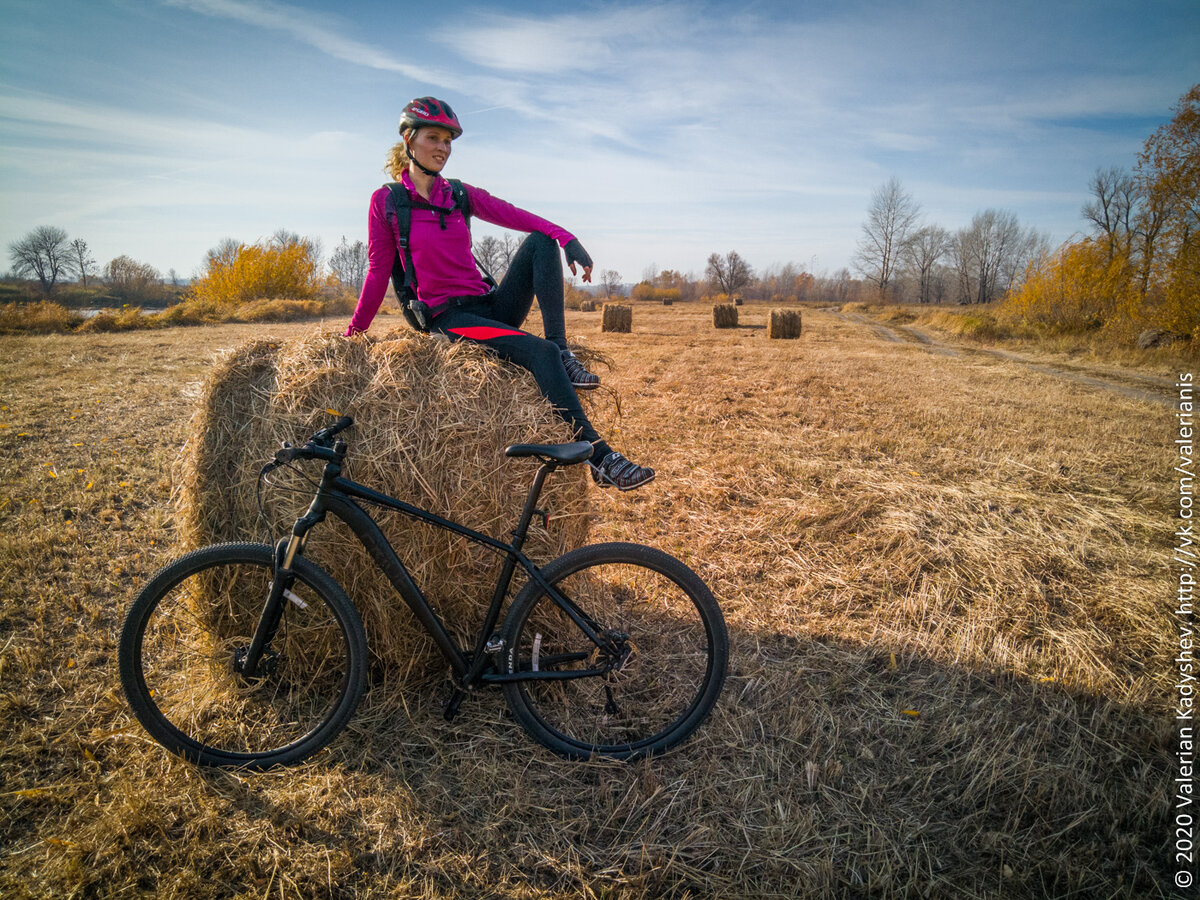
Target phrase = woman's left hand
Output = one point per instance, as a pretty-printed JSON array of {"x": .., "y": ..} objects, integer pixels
[{"x": 576, "y": 254}]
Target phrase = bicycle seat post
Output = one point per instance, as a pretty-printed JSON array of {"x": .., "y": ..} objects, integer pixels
[{"x": 531, "y": 500}]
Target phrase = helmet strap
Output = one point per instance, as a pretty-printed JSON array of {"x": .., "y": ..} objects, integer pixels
[{"x": 412, "y": 157}]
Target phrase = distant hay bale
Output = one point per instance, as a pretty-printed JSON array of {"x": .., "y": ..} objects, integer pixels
[
  {"x": 737, "y": 301},
  {"x": 667, "y": 301},
  {"x": 617, "y": 317},
  {"x": 431, "y": 421},
  {"x": 784, "y": 324},
  {"x": 587, "y": 306},
  {"x": 725, "y": 315}
]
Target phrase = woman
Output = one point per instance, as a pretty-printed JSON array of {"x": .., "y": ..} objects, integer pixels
[{"x": 448, "y": 282}]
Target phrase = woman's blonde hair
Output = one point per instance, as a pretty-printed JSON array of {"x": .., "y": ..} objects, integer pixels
[{"x": 397, "y": 160}]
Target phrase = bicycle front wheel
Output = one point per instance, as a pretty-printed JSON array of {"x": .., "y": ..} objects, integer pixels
[
  {"x": 184, "y": 644},
  {"x": 657, "y": 680}
]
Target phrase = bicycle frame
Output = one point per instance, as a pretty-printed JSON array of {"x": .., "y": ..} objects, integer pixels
[{"x": 336, "y": 495}]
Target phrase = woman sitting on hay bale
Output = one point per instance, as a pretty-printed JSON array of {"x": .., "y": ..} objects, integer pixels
[{"x": 435, "y": 272}]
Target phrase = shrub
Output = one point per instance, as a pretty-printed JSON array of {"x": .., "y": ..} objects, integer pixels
[
  {"x": 1084, "y": 286},
  {"x": 260, "y": 271},
  {"x": 42, "y": 317}
]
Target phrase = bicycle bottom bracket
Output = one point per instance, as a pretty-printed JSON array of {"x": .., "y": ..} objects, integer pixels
[{"x": 268, "y": 663}]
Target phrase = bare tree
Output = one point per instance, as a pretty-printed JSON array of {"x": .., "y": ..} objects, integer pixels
[
  {"x": 921, "y": 253},
  {"x": 1113, "y": 207},
  {"x": 610, "y": 280},
  {"x": 82, "y": 260},
  {"x": 283, "y": 239},
  {"x": 890, "y": 219},
  {"x": 133, "y": 280},
  {"x": 989, "y": 254},
  {"x": 496, "y": 254},
  {"x": 43, "y": 253},
  {"x": 730, "y": 272},
  {"x": 348, "y": 262},
  {"x": 222, "y": 255}
]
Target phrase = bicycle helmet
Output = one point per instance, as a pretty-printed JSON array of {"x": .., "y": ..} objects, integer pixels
[{"x": 429, "y": 111}]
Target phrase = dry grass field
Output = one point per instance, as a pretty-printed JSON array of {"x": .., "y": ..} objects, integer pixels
[{"x": 944, "y": 578}]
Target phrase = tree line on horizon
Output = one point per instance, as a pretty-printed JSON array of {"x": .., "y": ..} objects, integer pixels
[{"x": 1138, "y": 267}]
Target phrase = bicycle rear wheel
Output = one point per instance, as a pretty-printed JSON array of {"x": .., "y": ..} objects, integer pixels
[
  {"x": 672, "y": 650},
  {"x": 185, "y": 639}
]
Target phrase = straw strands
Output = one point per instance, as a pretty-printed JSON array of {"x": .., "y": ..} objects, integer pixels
[
  {"x": 431, "y": 422},
  {"x": 617, "y": 317}
]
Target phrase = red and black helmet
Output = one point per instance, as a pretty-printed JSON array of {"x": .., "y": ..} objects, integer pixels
[{"x": 429, "y": 111}]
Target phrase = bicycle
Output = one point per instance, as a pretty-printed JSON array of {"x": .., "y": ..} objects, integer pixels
[{"x": 249, "y": 655}]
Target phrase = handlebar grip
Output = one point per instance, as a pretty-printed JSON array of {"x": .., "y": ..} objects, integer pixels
[{"x": 329, "y": 431}]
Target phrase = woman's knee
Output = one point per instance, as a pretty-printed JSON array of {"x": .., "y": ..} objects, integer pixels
[{"x": 542, "y": 248}]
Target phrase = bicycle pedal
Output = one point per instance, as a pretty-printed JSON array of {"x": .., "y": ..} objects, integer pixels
[{"x": 450, "y": 709}]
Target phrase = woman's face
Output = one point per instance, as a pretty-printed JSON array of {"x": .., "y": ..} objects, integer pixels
[{"x": 431, "y": 146}]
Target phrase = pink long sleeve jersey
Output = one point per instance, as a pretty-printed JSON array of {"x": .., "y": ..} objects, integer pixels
[{"x": 442, "y": 257}]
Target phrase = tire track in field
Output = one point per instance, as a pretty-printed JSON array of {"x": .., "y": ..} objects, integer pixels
[{"x": 1147, "y": 388}]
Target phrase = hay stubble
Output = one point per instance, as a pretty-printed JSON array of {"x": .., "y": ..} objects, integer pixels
[{"x": 949, "y": 635}]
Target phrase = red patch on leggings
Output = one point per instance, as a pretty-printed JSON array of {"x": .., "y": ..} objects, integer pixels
[{"x": 483, "y": 332}]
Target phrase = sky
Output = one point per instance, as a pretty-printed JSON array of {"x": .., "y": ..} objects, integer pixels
[{"x": 657, "y": 133}]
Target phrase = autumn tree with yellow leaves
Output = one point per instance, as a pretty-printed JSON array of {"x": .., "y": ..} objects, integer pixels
[
  {"x": 284, "y": 267},
  {"x": 1140, "y": 269}
]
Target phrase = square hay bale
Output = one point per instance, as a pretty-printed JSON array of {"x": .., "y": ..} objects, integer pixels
[
  {"x": 725, "y": 315},
  {"x": 587, "y": 306},
  {"x": 617, "y": 317},
  {"x": 784, "y": 324},
  {"x": 432, "y": 419}
]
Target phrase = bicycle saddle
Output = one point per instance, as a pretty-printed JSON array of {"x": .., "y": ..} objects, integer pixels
[{"x": 563, "y": 454}]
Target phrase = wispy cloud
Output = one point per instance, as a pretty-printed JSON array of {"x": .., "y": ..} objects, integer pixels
[{"x": 317, "y": 30}]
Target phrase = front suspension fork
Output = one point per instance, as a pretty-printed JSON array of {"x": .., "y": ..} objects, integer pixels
[{"x": 272, "y": 611}]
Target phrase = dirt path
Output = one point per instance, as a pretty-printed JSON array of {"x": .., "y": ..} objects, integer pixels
[{"x": 1147, "y": 388}]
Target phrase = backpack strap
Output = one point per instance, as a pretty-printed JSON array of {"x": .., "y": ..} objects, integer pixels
[{"x": 404, "y": 273}]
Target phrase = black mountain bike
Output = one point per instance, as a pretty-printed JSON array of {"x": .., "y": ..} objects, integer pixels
[{"x": 249, "y": 655}]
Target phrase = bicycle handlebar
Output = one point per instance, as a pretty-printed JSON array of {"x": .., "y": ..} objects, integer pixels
[{"x": 317, "y": 447}]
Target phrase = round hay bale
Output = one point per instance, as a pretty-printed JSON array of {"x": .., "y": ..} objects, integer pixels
[
  {"x": 617, "y": 317},
  {"x": 783, "y": 324},
  {"x": 432, "y": 419},
  {"x": 587, "y": 306},
  {"x": 725, "y": 315}
]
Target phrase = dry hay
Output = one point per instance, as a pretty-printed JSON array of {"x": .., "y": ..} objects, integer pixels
[
  {"x": 587, "y": 306},
  {"x": 725, "y": 315},
  {"x": 431, "y": 421},
  {"x": 784, "y": 324},
  {"x": 617, "y": 317}
]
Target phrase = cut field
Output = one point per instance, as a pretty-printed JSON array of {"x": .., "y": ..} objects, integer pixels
[{"x": 944, "y": 578}]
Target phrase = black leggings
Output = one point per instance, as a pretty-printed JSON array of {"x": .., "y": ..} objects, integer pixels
[{"x": 536, "y": 269}]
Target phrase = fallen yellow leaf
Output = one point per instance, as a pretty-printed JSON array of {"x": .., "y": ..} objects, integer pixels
[
  {"x": 333, "y": 412},
  {"x": 910, "y": 712}
]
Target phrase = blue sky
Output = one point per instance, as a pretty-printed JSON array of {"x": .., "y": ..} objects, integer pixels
[{"x": 657, "y": 133}]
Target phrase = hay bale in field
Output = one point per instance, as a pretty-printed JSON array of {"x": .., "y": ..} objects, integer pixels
[
  {"x": 667, "y": 301},
  {"x": 431, "y": 421},
  {"x": 587, "y": 306},
  {"x": 725, "y": 315},
  {"x": 617, "y": 317},
  {"x": 784, "y": 324}
]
